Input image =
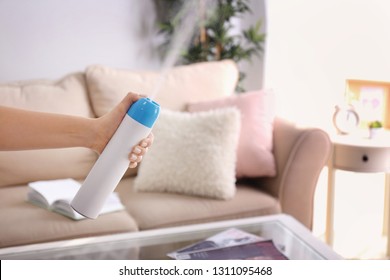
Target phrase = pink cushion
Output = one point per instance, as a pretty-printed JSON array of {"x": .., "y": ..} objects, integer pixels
[{"x": 254, "y": 152}]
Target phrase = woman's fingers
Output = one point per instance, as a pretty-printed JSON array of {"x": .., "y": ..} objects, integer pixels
[{"x": 140, "y": 150}]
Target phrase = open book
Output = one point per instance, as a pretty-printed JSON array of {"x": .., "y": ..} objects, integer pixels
[{"x": 56, "y": 195}]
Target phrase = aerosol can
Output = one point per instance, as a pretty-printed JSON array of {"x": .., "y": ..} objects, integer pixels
[{"x": 113, "y": 161}]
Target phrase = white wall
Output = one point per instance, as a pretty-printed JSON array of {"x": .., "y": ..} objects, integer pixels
[
  {"x": 254, "y": 68},
  {"x": 313, "y": 46},
  {"x": 49, "y": 38}
]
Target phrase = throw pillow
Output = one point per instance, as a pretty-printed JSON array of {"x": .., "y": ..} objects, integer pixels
[
  {"x": 182, "y": 84},
  {"x": 193, "y": 154},
  {"x": 254, "y": 153},
  {"x": 65, "y": 96}
]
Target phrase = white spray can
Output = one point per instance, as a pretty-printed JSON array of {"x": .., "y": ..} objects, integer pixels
[{"x": 113, "y": 161}]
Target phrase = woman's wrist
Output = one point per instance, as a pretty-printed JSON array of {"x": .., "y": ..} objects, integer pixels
[{"x": 93, "y": 135}]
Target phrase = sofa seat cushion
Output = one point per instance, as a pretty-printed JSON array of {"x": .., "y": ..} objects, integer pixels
[
  {"x": 23, "y": 223},
  {"x": 155, "y": 210}
]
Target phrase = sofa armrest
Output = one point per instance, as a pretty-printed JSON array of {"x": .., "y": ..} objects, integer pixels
[{"x": 300, "y": 154}]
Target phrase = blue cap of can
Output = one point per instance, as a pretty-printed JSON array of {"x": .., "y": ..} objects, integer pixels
[{"x": 145, "y": 111}]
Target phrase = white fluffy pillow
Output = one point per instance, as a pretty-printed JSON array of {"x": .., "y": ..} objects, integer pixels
[{"x": 193, "y": 154}]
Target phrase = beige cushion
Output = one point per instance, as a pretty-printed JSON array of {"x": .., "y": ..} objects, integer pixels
[
  {"x": 23, "y": 223},
  {"x": 155, "y": 210},
  {"x": 193, "y": 153},
  {"x": 66, "y": 96},
  {"x": 182, "y": 84}
]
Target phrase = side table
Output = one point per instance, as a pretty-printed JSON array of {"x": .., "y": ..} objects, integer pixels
[{"x": 359, "y": 154}]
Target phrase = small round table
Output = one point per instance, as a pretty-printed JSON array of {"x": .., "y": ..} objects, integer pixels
[{"x": 359, "y": 154}]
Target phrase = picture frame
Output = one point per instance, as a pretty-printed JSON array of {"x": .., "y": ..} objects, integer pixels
[{"x": 371, "y": 99}]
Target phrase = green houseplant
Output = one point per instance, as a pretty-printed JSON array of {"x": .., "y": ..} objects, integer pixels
[
  {"x": 374, "y": 128},
  {"x": 375, "y": 124},
  {"x": 215, "y": 39}
]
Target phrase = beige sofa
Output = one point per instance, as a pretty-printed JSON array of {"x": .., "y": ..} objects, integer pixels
[{"x": 299, "y": 153}]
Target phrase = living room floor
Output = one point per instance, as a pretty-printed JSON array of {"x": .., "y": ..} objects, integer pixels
[{"x": 359, "y": 208}]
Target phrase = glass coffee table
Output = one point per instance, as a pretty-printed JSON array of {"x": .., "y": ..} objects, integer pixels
[{"x": 291, "y": 237}]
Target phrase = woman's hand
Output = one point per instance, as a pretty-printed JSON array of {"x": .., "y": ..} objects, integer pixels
[
  {"x": 28, "y": 130},
  {"x": 106, "y": 126}
]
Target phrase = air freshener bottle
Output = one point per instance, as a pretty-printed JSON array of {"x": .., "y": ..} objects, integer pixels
[{"x": 113, "y": 161}]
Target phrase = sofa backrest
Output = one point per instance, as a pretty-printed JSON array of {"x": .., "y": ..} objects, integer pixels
[
  {"x": 181, "y": 85},
  {"x": 94, "y": 93},
  {"x": 66, "y": 96}
]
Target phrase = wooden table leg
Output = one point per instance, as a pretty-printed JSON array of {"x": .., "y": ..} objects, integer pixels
[
  {"x": 329, "y": 233},
  {"x": 386, "y": 214}
]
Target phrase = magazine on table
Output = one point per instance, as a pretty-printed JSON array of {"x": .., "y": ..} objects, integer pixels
[
  {"x": 232, "y": 243},
  {"x": 56, "y": 195}
]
